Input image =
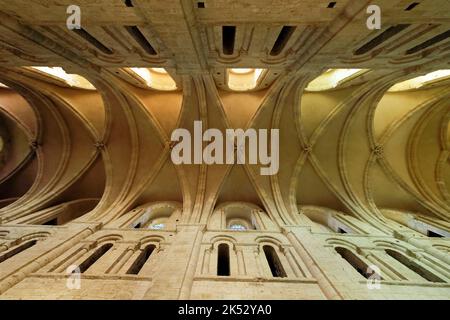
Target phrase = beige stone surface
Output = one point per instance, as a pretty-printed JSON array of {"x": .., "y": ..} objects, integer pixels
[{"x": 86, "y": 175}]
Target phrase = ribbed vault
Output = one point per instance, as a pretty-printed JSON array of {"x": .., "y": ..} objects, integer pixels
[{"x": 347, "y": 148}]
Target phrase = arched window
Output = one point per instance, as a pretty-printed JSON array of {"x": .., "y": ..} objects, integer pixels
[
  {"x": 86, "y": 264},
  {"x": 325, "y": 220},
  {"x": 11, "y": 253},
  {"x": 413, "y": 266},
  {"x": 141, "y": 259},
  {"x": 237, "y": 227},
  {"x": 223, "y": 260},
  {"x": 157, "y": 226},
  {"x": 51, "y": 222},
  {"x": 240, "y": 224},
  {"x": 434, "y": 234},
  {"x": 154, "y": 216},
  {"x": 274, "y": 262},
  {"x": 352, "y": 259}
]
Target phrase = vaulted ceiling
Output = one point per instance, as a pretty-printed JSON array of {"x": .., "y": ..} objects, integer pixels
[{"x": 356, "y": 147}]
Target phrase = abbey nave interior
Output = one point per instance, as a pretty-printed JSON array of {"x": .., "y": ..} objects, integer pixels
[{"x": 92, "y": 205}]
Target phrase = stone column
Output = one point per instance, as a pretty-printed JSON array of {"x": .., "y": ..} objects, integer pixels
[
  {"x": 325, "y": 284},
  {"x": 173, "y": 278}
]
